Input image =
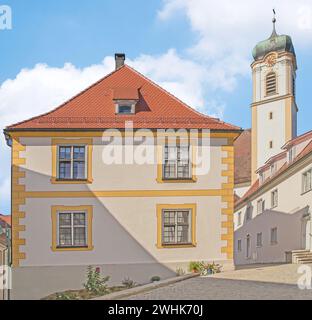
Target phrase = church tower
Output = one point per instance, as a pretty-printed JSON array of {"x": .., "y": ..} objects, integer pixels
[{"x": 274, "y": 109}]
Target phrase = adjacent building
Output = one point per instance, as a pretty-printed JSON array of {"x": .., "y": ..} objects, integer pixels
[
  {"x": 112, "y": 178},
  {"x": 272, "y": 218}
]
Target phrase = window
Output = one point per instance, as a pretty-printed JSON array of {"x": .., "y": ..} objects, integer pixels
[
  {"x": 249, "y": 212},
  {"x": 274, "y": 198},
  {"x": 176, "y": 225},
  {"x": 307, "y": 181},
  {"x": 291, "y": 154},
  {"x": 259, "y": 239},
  {"x": 274, "y": 235},
  {"x": 71, "y": 228},
  {"x": 239, "y": 218},
  {"x": 125, "y": 109},
  {"x": 260, "y": 206},
  {"x": 270, "y": 115},
  {"x": 271, "y": 83},
  {"x": 72, "y": 162},
  {"x": 239, "y": 245},
  {"x": 271, "y": 144},
  {"x": 261, "y": 177},
  {"x": 176, "y": 162},
  {"x": 273, "y": 169}
]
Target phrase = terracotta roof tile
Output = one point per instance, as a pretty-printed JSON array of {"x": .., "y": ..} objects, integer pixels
[
  {"x": 6, "y": 219},
  {"x": 125, "y": 94},
  {"x": 242, "y": 158},
  {"x": 256, "y": 186},
  {"x": 93, "y": 108}
]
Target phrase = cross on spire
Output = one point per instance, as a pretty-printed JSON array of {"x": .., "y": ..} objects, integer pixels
[{"x": 274, "y": 34}]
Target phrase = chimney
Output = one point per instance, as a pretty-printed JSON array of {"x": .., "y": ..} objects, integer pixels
[{"x": 119, "y": 60}]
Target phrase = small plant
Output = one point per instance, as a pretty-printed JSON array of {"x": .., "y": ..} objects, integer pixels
[
  {"x": 180, "y": 272},
  {"x": 128, "y": 283},
  {"x": 210, "y": 268},
  {"x": 155, "y": 278},
  {"x": 66, "y": 296},
  {"x": 195, "y": 266},
  {"x": 95, "y": 283}
]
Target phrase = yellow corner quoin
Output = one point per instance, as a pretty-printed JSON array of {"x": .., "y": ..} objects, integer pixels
[
  {"x": 54, "y": 212},
  {"x": 160, "y": 208},
  {"x": 18, "y": 198},
  {"x": 227, "y": 225},
  {"x": 57, "y": 142}
]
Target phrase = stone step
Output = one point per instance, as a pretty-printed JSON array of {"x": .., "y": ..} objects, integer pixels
[{"x": 305, "y": 261}]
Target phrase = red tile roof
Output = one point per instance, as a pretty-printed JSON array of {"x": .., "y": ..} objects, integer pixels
[
  {"x": 93, "y": 108},
  {"x": 6, "y": 219},
  {"x": 242, "y": 158},
  {"x": 256, "y": 186},
  {"x": 125, "y": 94}
]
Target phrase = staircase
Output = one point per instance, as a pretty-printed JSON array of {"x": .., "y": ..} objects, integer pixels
[{"x": 301, "y": 256}]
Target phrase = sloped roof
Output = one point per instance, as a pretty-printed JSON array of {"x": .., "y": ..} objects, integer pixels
[
  {"x": 93, "y": 108},
  {"x": 256, "y": 186},
  {"x": 6, "y": 219},
  {"x": 242, "y": 158}
]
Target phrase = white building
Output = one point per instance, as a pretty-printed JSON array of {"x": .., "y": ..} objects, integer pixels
[{"x": 272, "y": 214}]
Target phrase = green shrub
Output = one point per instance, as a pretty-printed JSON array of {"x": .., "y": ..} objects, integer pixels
[
  {"x": 66, "y": 296},
  {"x": 155, "y": 278},
  {"x": 128, "y": 283},
  {"x": 95, "y": 283},
  {"x": 180, "y": 272},
  {"x": 195, "y": 266}
]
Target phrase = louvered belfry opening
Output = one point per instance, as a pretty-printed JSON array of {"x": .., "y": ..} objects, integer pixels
[{"x": 271, "y": 83}]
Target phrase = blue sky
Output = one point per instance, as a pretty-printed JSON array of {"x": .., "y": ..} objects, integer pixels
[{"x": 200, "y": 50}]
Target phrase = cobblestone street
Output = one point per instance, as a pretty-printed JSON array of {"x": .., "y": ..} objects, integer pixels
[{"x": 250, "y": 283}]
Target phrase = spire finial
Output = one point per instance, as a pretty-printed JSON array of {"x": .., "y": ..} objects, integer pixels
[{"x": 274, "y": 21}]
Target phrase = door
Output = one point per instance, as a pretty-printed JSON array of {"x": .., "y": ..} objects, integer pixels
[{"x": 248, "y": 246}]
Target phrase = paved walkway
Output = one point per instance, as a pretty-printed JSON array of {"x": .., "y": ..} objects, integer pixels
[{"x": 261, "y": 282}]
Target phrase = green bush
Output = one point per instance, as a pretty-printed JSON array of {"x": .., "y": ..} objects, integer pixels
[
  {"x": 128, "y": 283},
  {"x": 195, "y": 266},
  {"x": 155, "y": 278},
  {"x": 95, "y": 283},
  {"x": 66, "y": 296}
]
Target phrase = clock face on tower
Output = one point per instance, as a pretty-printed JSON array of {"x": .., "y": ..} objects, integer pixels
[{"x": 270, "y": 60}]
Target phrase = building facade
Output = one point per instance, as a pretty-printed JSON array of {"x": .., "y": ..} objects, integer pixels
[
  {"x": 107, "y": 180},
  {"x": 272, "y": 219}
]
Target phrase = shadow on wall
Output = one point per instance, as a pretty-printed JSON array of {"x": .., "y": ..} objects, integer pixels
[
  {"x": 291, "y": 235},
  {"x": 117, "y": 251}
]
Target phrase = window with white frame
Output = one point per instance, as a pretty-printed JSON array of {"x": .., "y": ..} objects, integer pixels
[
  {"x": 274, "y": 198},
  {"x": 249, "y": 212},
  {"x": 291, "y": 154},
  {"x": 259, "y": 239},
  {"x": 176, "y": 227},
  {"x": 260, "y": 206},
  {"x": 177, "y": 163},
  {"x": 71, "y": 162},
  {"x": 239, "y": 245},
  {"x": 307, "y": 181},
  {"x": 72, "y": 229},
  {"x": 274, "y": 235},
  {"x": 239, "y": 218},
  {"x": 273, "y": 169},
  {"x": 125, "y": 109},
  {"x": 261, "y": 177}
]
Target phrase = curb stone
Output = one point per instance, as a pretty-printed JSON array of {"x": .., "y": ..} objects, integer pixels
[{"x": 144, "y": 288}]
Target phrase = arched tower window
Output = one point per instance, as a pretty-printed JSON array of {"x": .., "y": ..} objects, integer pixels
[{"x": 270, "y": 83}]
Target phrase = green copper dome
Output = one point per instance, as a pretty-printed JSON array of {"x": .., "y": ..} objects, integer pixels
[{"x": 274, "y": 43}]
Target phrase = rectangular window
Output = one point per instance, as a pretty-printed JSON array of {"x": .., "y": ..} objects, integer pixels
[
  {"x": 271, "y": 115},
  {"x": 177, "y": 162},
  {"x": 259, "y": 239},
  {"x": 274, "y": 236},
  {"x": 271, "y": 144},
  {"x": 72, "y": 162},
  {"x": 249, "y": 212},
  {"x": 307, "y": 181},
  {"x": 274, "y": 198},
  {"x": 239, "y": 218},
  {"x": 273, "y": 169},
  {"x": 125, "y": 109},
  {"x": 260, "y": 206},
  {"x": 176, "y": 227},
  {"x": 72, "y": 229},
  {"x": 239, "y": 245}
]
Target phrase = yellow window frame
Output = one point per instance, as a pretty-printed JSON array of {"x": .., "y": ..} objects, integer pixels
[{"x": 89, "y": 212}]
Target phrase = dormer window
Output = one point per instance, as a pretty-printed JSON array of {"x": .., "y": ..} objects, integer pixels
[
  {"x": 124, "y": 109},
  {"x": 291, "y": 155},
  {"x": 125, "y": 100}
]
